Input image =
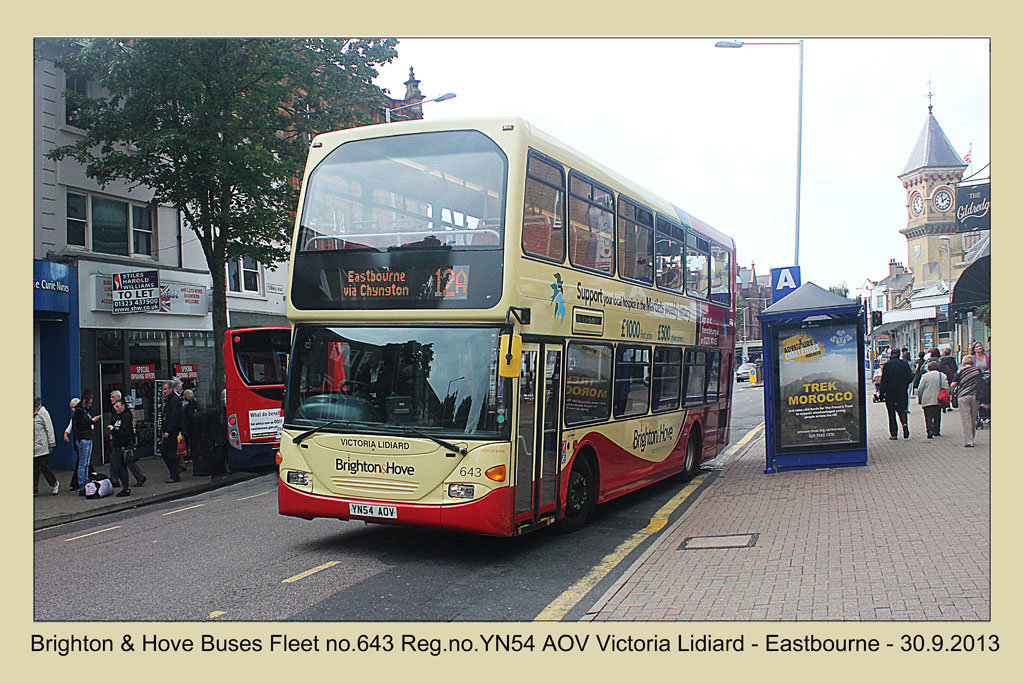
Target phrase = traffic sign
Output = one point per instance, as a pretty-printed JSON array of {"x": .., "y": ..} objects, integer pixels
[{"x": 784, "y": 281}]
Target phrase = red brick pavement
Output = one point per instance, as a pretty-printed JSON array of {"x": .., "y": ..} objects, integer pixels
[{"x": 904, "y": 539}]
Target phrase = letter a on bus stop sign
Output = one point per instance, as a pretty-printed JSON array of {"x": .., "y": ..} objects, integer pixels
[{"x": 784, "y": 281}]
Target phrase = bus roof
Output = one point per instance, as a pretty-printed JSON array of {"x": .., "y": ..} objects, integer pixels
[{"x": 548, "y": 144}]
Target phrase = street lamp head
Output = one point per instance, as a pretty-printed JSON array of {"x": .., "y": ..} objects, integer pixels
[
  {"x": 729, "y": 43},
  {"x": 446, "y": 96}
]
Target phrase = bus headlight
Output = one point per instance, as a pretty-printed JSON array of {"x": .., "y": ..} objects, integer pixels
[
  {"x": 460, "y": 490},
  {"x": 297, "y": 478}
]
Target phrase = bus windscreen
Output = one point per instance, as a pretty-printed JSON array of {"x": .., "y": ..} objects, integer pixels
[
  {"x": 441, "y": 380},
  {"x": 261, "y": 356}
]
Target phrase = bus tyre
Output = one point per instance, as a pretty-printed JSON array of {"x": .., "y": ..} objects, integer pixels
[
  {"x": 691, "y": 465},
  {"x": 580, "y": 497}
]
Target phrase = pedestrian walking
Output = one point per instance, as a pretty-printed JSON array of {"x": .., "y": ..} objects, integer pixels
[
  {"x": 122, "y": 437},
  {"x": 982, "y": 360},
  {"x": 919, "y": 369},
  {"x": 896, "y": 378},
  {"x": 43, "y": 442},
  {"x": 932, "y": 384},
  {"x": 82, "y": 431},
  {"x": 965, "y": 384},
  {"x": 171, "y": 428},
  {"x": 189, "y": 406}
]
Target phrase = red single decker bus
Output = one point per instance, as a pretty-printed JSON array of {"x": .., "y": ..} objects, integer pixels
[{"x": 255, "y": 361}]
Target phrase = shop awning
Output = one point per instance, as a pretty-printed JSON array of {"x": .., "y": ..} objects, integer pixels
[
  {"x": 884, "y": 329},
  {"x": 905, "y": 315},
  {"x": 974, "y": 286}
]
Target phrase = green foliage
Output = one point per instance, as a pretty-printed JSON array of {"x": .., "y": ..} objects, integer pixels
[
  {"x": 984, "y": 313},
  {"x": 220, "y": 127},
  {"x": 841, "y": 289}
]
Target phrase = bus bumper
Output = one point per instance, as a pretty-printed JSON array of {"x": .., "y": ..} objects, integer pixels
[
  {"x": 491, "y": 514},
  {"x": 252, "y": 456}
]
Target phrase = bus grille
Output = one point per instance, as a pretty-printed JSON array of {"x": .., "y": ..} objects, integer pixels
[{"x": 374, "y": 485}]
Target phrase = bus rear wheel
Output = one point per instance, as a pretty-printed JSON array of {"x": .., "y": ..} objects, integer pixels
[
  {"x": 580, "y": 498},
  {"x": 691, "y": 465}
]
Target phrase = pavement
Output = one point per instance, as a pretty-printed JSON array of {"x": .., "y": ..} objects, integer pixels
[
  {"x": 906, "y": 538},
  {"x": 68, "y": 506}
]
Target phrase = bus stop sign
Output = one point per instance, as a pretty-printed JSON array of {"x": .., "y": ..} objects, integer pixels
[{"x": 784, "y": 281}]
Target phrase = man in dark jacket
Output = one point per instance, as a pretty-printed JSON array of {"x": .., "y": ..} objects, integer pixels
[
  {"x": 171, "y": 426},
  {"x": 896, "y": 377}
]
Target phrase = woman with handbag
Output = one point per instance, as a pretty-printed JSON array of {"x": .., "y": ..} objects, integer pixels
[
  {"x": 122, "y": 436},
  {"x": 966, "y": 385},
  {"x": 931, "y": 394}
]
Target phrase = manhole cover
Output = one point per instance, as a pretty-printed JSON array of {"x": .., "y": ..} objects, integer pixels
[{"x": 719, "y": 542}]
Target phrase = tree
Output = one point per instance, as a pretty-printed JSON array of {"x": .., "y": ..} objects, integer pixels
[
  {"x": 219, "y": 128},
  {"x": 841, "y": 289}
]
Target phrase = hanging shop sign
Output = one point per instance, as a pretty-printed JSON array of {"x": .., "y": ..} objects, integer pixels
[
  {"x": 186, "y": 371},
  {"x": 973, "y": 207},
  {"x": 135, "y": 292},
  {"x": 138, "y": 373}
]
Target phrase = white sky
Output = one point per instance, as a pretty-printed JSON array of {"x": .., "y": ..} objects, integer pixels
[{"x": 714, "y": 130}]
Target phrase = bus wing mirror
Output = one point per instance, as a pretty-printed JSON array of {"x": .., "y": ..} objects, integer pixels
[{"x": 510, "y": 353}]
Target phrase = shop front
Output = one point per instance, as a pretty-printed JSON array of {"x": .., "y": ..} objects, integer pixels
[
  {"x": 130, "y": 351},
  {"x": 55, "y": 377}
]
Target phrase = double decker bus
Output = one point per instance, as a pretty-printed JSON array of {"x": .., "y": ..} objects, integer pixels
[
  {"x": 255, "y": 362},
  {"x": 494, "y": 333}
]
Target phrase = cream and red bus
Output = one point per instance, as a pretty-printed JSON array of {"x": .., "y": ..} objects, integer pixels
[{"x": 493, "y": 332}]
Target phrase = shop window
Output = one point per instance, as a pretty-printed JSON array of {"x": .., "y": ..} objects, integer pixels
[
  {"x": 636, "y": 242},
  {"x": 142, "y": 230},
  {"x": 632, "y": 380},
  {"x": 588, "y": 381},
  {"x": 591, "y": 225},
  {"x": 543, "y": 210},
  {"x": 109, "y": 226},
  {"x": 665, "y": 385},
  {"x": 695, "y": 375},
  {"x": 77, "y": 219},
  {"x": 244, "y": 275},
  {"x": 74, "y": 87}
]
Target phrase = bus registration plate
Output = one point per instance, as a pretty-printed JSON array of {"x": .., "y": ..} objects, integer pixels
[{"x": 364, "y": 510}]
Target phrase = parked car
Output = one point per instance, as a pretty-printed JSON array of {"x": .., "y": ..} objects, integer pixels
[{"x": 743, "y": 372}]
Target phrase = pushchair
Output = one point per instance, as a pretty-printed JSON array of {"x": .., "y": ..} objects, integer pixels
[{"x": 984, "y": 400}]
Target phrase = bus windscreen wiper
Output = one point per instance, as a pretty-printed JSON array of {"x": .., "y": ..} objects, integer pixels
[
  {"x": 310, "y": 432},
  {"x": 389, "y": 428}
]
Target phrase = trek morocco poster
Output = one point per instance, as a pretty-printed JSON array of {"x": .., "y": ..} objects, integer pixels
[{"x": 819, "y": 401}]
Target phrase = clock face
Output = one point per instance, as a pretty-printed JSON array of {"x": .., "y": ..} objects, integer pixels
[
  {"x": 943, "y": 199},
  {"x": 917, "y": 204}
]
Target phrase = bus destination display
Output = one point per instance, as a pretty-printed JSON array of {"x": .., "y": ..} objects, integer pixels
[{"x": 420, "y": 283}]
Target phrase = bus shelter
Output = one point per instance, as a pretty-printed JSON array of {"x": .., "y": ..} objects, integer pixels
[{"x": 814, "y": 381}]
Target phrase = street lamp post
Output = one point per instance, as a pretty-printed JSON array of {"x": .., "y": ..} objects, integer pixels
[
  {"x": 439, "y": 98},
  {"x": 799, "y": 129},
  {"x": 949, "y": 276}
]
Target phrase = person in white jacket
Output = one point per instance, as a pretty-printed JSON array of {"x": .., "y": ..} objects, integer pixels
[{"x": 44, "y": 441}]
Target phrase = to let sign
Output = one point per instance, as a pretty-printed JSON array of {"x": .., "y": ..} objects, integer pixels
[{"x": 135, "y": 292}]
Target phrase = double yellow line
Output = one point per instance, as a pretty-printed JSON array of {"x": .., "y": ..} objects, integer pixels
[{"x": 568, "y": 599}]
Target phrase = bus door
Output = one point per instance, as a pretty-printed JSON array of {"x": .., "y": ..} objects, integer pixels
[{"x": 538, "y": 437}]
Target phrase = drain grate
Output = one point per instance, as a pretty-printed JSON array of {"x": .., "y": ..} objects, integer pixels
[{"x": 719, "y": 542}]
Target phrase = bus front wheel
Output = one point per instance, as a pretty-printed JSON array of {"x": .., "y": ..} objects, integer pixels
[{"x": 580, "y": 497}]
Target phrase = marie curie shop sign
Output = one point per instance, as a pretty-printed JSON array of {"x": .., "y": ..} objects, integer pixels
[{"x": 135, "y": 292}]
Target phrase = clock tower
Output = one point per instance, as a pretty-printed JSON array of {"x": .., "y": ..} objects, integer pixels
[{"x": 930, "y": 179}]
